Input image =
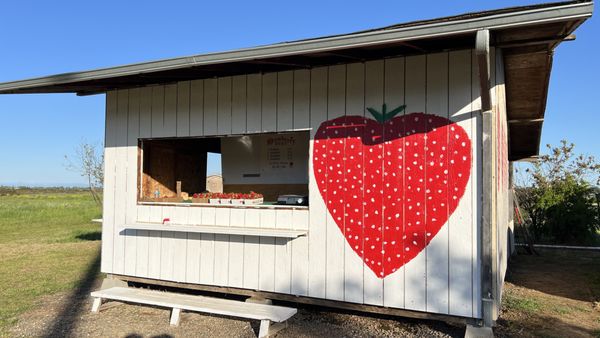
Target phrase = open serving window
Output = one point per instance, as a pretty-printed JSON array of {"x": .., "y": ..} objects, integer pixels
[{"x": 256, "y": 169}]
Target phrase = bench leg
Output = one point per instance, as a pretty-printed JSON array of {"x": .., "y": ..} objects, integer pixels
[
  {"x": 96, "y": 305},
  {"x": 175, "y": 317},
  {"x": 268, "y": 329},
  {"x": 264, "y": 328}
]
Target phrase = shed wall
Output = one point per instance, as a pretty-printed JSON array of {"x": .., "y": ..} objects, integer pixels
[
  {"x": 503, "y": 217},
  {"x": 443, "y": 278}
]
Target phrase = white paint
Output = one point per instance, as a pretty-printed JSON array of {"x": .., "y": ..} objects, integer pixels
[
  {"x": 393, "y": 285},
  {"x": 415, "y": 271},
  {"x": 319, "y": 264},
  {"x": 460, "y": 236},
  {"x": 437, "y": 250},
  {"x": 219, "y": 306}
]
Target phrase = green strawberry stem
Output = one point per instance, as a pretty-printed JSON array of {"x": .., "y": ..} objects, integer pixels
[{"x": 385, "y": 116}]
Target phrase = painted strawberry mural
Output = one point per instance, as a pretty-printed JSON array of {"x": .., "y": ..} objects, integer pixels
[{"x": 392, "y": 182}]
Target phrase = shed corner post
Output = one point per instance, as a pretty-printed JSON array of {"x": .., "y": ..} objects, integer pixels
[{"x": 487, "y": 238}]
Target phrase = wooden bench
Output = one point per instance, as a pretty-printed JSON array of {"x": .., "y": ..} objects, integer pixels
[{"x": 266, "y": 313}]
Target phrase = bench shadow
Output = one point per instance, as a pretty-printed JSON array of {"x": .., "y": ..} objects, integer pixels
[
  {"x": 90, "y": 236},
  {"x": 65, "y": 322}
]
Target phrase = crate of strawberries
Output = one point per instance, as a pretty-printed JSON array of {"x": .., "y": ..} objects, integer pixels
[{"x": 233, "y": 198}]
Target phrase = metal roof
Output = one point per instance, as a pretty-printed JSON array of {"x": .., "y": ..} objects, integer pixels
[{"x": 527, "y": 35}]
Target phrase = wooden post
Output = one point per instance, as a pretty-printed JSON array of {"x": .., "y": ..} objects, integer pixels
[
  {"x": 178, "y": 189},
  {"x": 96, "y": 305},
  {"x": 175, "y": 314},
  {"x": 488, "y": 236}
]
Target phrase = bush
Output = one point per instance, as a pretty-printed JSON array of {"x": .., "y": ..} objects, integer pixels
[{"x": 559, "y": 199}]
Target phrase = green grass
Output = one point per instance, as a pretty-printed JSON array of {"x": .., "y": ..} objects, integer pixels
[
  {"x": 47, "y": 243},
  {"x": 526, "y": 304}
]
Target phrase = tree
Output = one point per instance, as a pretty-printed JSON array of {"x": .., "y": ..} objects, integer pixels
[
  {"x": 88, "y": 161},
  {"x": 558, "y": 195}
]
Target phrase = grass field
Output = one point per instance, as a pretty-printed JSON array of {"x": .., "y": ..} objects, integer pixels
[{"x": 47, "y": 242}]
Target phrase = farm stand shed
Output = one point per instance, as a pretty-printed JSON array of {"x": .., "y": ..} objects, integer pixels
[{"x": 409, "y": 133}]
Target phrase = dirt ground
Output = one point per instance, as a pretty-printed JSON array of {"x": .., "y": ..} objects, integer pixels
[
  {"x": 552, "y": 295},
  {"x": 125, "y": 320},
  {"x": 555, "y": 294}
]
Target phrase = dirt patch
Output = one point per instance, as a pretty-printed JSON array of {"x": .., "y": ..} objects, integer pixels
[
  {"x": 555, "y": 294},
  {"x": 127, "y": 320},
  {"x": 552, "y": 295}
]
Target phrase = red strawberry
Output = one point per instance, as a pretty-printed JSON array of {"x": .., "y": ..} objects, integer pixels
[{"x": 390, "y": 184}]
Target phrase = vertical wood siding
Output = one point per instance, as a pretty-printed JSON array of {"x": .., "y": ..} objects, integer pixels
[
  {"x": 503, "y": 205},
  {"x": 443, "y": 278}
]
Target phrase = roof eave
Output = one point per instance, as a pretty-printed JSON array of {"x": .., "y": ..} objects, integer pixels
[{"x": 560, "y": 12}]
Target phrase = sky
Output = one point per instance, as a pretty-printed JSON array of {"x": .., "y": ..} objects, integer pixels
[{"x": 48, "y": 37}]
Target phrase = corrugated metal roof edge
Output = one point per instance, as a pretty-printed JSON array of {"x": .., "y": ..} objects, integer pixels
[{"x": 503, "y": 18}]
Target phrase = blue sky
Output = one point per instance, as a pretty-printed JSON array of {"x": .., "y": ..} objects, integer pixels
[{"x": 48, "y": 37}]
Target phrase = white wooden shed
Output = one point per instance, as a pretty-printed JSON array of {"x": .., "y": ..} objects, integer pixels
[{"x": 401, "y": 137}]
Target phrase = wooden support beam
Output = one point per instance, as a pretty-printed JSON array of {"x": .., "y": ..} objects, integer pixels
[
  {"x": 488, "y": 279},
  {"x": 482, "y": 47}
]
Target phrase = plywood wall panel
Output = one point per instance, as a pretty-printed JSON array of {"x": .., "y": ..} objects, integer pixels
[
  {"x": 224, "y": 106},
  {"x": 269, "y": 102},
  {"x": 108, "y": 210},
  {"x": 267, "y": 253},
  {"x": 437, "y": 251},
  {"x": 170, "y": 113},
  {"x": 285, "y": 100},
  {"x": 355, "y": 106},
  {"x": 133, "y": 127},
  {"x": 394, "y": 87},
  {"x": 336, "y": 107},
  {"x": 372, "y": 182},
  {"x": 239, "y": 104},
  {"x": 415, "y": 273},
  {"x": 221, "y": 274},
  {"x": 442, "y": 278},
  {"x": 283, "y": 253},
  {"x": 459, "y": 224},
  {"x": 120, "y": 180},
  {"x": 254, "y": 103},
  {"x": 210, "y": 107},
  {"x": 194, "y": 248},
  {"x": 299, "y": 256},
  {"x": 236, "y": 250},
  {"x": 301, "y": 108},
  {"x": 142, "y": 247},
  {"x": 183, "y": 108},
  {"x": 197, "y": 108},
  {"x": 251, "y": 251},
  {"x": 154, "y": 243},
  {"x": 207, "y": 248},
  {"x": 317, "y": 218}
]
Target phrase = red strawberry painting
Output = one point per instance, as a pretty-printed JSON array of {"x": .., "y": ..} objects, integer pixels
[{"x": 391, "y": 183}]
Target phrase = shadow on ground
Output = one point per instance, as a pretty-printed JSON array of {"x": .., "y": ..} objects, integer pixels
[
  {"x": 564, "y": 273},
  {"x": 66, "y": 320},
  {"x": 90, "y": 236}
]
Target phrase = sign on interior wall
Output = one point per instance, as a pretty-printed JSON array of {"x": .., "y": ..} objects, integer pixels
[
  {"x": 280, "y": 151},
  {"x": 266, "y": 158},
  {"x": 391, "y": 183}
]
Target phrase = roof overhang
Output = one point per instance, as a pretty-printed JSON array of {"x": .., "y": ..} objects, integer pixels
[{"x": 527, "y": 36}]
